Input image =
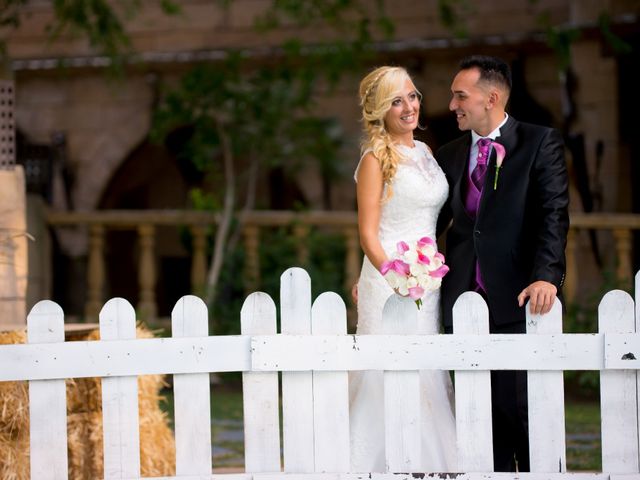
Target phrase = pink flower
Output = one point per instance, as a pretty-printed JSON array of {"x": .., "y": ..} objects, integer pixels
[
  {"x": 439, "y": 272},
  {"x": 416, "y": 292},
  {"x": 500, "y": 154},
  {"x": 424, "y": 241},
  {"x": 415, "y": 269},
  {"x": 402, "y": 247},
  {"x": 397, "y": 266},
  {"x": 423, "y": 259}
]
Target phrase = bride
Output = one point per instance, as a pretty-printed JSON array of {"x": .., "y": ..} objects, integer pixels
[{"x": 400, "y": 190}]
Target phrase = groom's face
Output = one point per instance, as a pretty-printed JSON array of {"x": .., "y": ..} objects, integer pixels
[{"x": 469, "y": 101}]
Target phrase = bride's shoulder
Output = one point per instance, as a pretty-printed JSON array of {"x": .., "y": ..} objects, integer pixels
[
  {"x": 424, "y": 147},
  {"x": 368, "y": 162}
]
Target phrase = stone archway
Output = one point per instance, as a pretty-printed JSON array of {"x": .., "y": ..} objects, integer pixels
[{"x": 150, "y": 178}]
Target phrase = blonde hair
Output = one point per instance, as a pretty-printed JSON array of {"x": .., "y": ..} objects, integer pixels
[{"x": 377, "y": 91}]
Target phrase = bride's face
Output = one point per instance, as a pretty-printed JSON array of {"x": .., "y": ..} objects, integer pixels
[{"x": 402, "y": 118}]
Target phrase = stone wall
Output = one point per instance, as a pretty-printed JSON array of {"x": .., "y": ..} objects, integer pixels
[{"x": 105, "y": 120}]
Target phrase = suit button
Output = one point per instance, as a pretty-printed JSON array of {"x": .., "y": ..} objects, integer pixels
[{"x": 476, "y": 233}]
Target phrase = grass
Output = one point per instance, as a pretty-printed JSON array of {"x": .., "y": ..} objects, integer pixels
[
  {"x": 583, "y": 435},
  {"x": 582, "y": 427}
]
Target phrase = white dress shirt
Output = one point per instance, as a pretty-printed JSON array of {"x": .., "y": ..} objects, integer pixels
[{"x": 473, "y": 154}]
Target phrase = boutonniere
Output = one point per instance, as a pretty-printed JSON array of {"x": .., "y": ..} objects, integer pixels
[{"x": 500, "y": 154}]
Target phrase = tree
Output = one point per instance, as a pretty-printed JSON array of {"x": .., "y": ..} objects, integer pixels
[
  {"x": 263, "y": 115},
  {"x": 101, "y": 22}
]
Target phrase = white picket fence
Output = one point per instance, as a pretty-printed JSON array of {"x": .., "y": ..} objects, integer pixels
[{"x": 314, "y": 354}]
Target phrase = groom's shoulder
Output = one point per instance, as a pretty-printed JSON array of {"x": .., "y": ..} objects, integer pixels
[
  {"x": 450, "y": 148},
  {"x": 530, "y": 130}
]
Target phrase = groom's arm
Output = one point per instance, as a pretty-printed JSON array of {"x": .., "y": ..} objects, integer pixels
[
  {"x": 552, "y": 185},
  {"x": 552, "y": 191}
]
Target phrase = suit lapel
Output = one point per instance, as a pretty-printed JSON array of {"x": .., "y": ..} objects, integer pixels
[{"x": 508, "y": 139}]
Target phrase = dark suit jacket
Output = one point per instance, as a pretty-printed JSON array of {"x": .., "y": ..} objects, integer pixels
[{"x": 519, "y": 234}]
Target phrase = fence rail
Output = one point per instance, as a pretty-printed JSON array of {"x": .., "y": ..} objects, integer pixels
[
  {"x": 146, "y": 223},
  {"x": 314, "y": 355}
]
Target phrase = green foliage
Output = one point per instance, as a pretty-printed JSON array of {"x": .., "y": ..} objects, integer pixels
[
  {"x": 278, "y": 251},
  {"x": 560, "y": 39},
  {"x": 351, "y": 17},
  {"x": 352, "y": 25},
  {"x": 101, "y": 22},
  {"x": 617, "y": 44},
  {"x": 582, "y": 317},
  {"x": 452, "y": 13},
  {"x": 10, "y": 12},
  {"x": 266, "y": 112}
]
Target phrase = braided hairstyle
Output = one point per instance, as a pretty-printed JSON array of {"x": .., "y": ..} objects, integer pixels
[{"x": 377, "y": 91}]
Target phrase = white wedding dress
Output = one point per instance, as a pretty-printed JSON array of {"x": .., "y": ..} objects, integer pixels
[{"x": 419, "y": 191}]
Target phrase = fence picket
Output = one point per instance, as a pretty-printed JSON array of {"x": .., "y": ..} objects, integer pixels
[
  {"x": 47, "y": 400},
  {"x": 473, "y": 392},
  {"x": 191, "y": 393},
  {"x": 121, "y": 442},
  {"x": 547, "y": 446},
  {"x": 401, "y": 394},
  {"x": 260, "y": 392},
  {"x": 618, "y": 389},
  {"x": 297, "y": 387},
  {"x": 330, "y": 392}
]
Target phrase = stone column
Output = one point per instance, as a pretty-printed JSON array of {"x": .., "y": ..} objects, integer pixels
[{"x": 13, "y": 220}]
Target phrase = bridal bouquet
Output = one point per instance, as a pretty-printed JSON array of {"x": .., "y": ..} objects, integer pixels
[{"x": 415, "y": 270}]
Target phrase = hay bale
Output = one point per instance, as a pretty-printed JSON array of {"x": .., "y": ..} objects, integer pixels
[
  {"x": 84, "y": 445},
  {"x": 84, "y": 401},
  {"x": 14, "y": 457},
  {"x": 14, "y": 396},
  {"x": 157, "y": 445},
  {"x": 84, "y": 423}
]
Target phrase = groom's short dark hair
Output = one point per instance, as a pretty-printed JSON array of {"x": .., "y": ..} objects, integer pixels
[{"x": 492, "y": 69}]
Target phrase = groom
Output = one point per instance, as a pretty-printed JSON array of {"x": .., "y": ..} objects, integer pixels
[{"x": 508, "y": 228}]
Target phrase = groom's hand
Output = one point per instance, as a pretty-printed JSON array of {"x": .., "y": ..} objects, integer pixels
[
  {"x": 542, "y": 295},
  {"x": 354, "y": 293}
]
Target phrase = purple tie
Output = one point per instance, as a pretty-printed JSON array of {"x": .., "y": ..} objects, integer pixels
[
  {"x": 479, "y": 172},
  {"x": 474, "y": 191}
]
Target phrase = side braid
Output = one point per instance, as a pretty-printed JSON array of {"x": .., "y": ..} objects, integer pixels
[{"x": 377, "y": 91}]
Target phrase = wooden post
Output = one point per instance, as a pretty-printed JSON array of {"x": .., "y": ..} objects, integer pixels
[
  {"x": 547, "y": 444},
  {"x": 147, "y": 309},
  {"x": 251, "y": 235},
  {"x": 301, "y": 232},
  {"x": 95, "y": 272},
  {"x": 571, "y": 279},
  {"x": 199, "y": 259},
  {"x": 192, "y": 396},
  {"x": 402, "y": 422},
  {"x": 120, "y": 418},
  {"x": 618, "y": 402},
  {"x": 260, "y": 392},
  {"x": 330, "y": 392},
  {"x": 47, "y": 400},
  {"x": 623, "y": 254},
  {"x": 297, "y": 387},
  {"x": 473, "y": 392}
]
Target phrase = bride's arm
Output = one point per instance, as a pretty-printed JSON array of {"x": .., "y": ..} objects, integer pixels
[{"x": 369, "y": 193}]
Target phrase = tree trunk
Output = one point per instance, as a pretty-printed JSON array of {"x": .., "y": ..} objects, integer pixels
[{"x": 222, "y": 233}]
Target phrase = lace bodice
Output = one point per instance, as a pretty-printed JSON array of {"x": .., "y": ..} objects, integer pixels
[{"x": 419, "y": 191}]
